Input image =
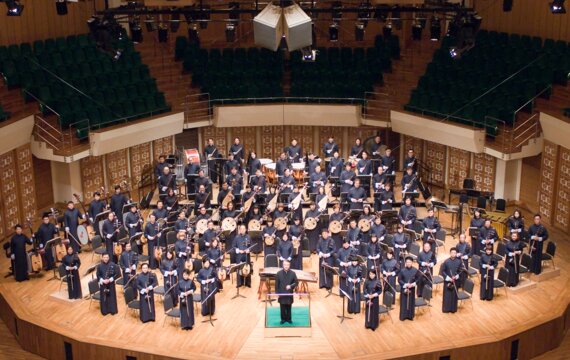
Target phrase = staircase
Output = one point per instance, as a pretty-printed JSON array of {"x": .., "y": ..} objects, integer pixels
[{"x": 61, "y": 142}]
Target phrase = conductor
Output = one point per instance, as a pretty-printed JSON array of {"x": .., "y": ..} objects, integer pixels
[{"x": 286, "y": 283}]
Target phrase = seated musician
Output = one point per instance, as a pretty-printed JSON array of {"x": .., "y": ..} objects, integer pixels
[
  {"x": 224, "y": 191},
  {"x": 385, "y": 199},
  {"x": 296, "y": 234},
  {"x": 160, "y": 212},
  {"x": 379, "y": 180},
  {"x": 409, "y": 181},
  {"x": 202, "y": 199},
  {"x": 171, "y": 201},
  {"x": 203, "y": 180},
  {"x": 356, "y": 196},
  {"x": 378, "y": 229},
  {"x": 206, "y": 238},
  {"x": 411, "y": 161},
  {"x": 235, "y": 181},
  {"x": 280, "y": 212},
  {"x": 388, "y": 162},
  {"x": 202, "y": 214},
  {"x": 313, "y": 234},
  {"x": 487, "y": 235},
  {"x": 165, "y": 181},
  {"x": 356, "y": 149},
  {"x": 182, "y": 222},
  {"x": 269, "y": 237},
  {"x": 317, "y": 179},
  {"x": 295, "y": 207},
  {"x": 364, "y": 165},
  {"x": 287, "y": 182},
  {"x": 258, "y": 182},
  {"x": 346, "y": 182},
  {"x": 431, "y": 227},
  {"x": 335, "y": 165},
  {"x": 231, "y": 163}
]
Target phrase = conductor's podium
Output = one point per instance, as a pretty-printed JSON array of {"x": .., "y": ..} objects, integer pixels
[{"x": 300, "y": 316}]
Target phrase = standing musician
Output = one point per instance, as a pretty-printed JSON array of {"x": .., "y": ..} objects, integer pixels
[
  {"x": 166, "y": 181},
  {"x": 295, "y": 233},
  {"x": 538, "y": 235},
  {"x": 378, "y": 229},
  {"x": 183, "y": 249},
  {"x": 354, "y": 278},
  {"x": 354, "y": 235},
  {"x": 487, "y": 235},
  {"x": 313, "y": 235},
  {"x": 96, "y": 207},
  {"x": 311, "y": 164},
  {"x": 379, "y": 181},
  {"x": 110, "y": 229},
  {"x": 202, "y": 199},
  {"x": 401, "y": 242},
  {"x": 376, "y": 153},
  {"x": 118, "y": 200},
  {"x": 231, "y": 163},
  {"x": 356, "y": 196},
  {"x": 431, "y": 227},
  {"x": 203, "y": 180},
  {"x": 317, "y": 179},
  {"x": 368, "y": 216},
  {"x": 335, "y": 165},
  {"x": 128, "y": 262},
  {"x": 72, "y": 263},
  {"x": 285, "y": 283},
  {"x": 269, "y": 232},
  {"x": 385, "y": 199},
  {"x": 513, "y": 259},
  {"x": 294, "y": 151},
  {"x": 208, "y": 289},
  {"x": 146, "y": 282},
  {"x": 206, "y": 239},
  {"x": 284, "y": 250},
  {"x": 487, "y": 270},
  {"x": 168, "y": 268},
  {"x": 326, "y": 249},
  {"x": 46, "y": 231},
  {"x": 171, "y": 201},
  {"x": 411, "y": 161},
  {"x": 152, "y": 234},
  {"x": 106, "y": 273},
  {"x": 237, "y": 151},
  {"x": 372, "y": 290},
  {"x": 330, "y": 147},
  {"x": 343, "y": 256},
  {"x": 160, "y": 166},
  {"x": 390, "y": 270},
  {"x": 243, "y": 242},
  {"x": 426, "y": 261},
  {"x": 160, "y": 212},
  {"x": 463, "y": 252},
  {"x": 282, "y": 164},
  {"x": 356, "y": 149},
  {"x": 287, "y": 182},
  {"x": 190, "y": 174},
  {"x": 409, "y": 181},
  {"x": 19, "y": 255},
  {"x": 407, "y": 214},
  {"x": 450, "y": 271},
  {"x": 133, "y": 221},
  {"x": 407, "y": 278},
  {"x": 253, "y": 164},
  {"x": 71, "y": 218},
  {"x": 364, "y": 165},
  {"x": 515, "y": 223},
  {"x": 211, "y": 153},
  {"x": 373, "y": 254},
  {"x": 235, "y": 181},
  {"x": 186, "y": 288},
  {"x": 258, "y": 182},
  {"x": 477, "y": 222},
  {"x": 388, "y": 162},
  {"x": 346, "y": 179},
  {"x": 216, "y": 258}
]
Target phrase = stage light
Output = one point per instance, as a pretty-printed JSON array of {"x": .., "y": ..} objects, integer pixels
[
  {"x": 435, "y": 29},
  {"x": 453, "y": 52},
  {"x": 359, "y": 31},
  {"x": 387, "y": 30},
  {"x": 230, "y": 32},
  {"x": 557, "y": 7},
  {"x": 417, "y": 30},
  {"x": 174, "y": 21},
  {"x": 149, "y": 22},
  {"x": 507, "y": 5},
  {"x": 333, "y": 32},
  {"x": 14, "y": 8},
  {"x": 117, "y": 55},
  {"x": 162, "y": 33},
  {"x": 136, "y": 31},
  {"x": 308, "y": 55},
  {"x": 61, "y": 7}
]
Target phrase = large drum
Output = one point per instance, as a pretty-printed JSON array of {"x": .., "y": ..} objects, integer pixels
[
  {"x": 270, "y": 171},
  {"x": 82, "y": 234},
  {"x": 192, "y": 156},
  {"x": 298, "y": 171}
]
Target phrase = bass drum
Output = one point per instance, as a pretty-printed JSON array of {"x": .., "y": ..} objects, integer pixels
[
  {"x": 192, "y": 156},
  {"x": 83, "y": 234},
  {"x": 310, "y": 223}
]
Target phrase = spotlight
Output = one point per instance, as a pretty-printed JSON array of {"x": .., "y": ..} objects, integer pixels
[
  {"x": 435, "y": 29},
  {"x": 149, "y": 22},
  {"x": 507, "y": 5},
  {"x": 230, "y": 32},
  {"x": 136, "y": 31},
  {"x": 117, "y": 55},
  {"x": 453, "y": 52},
  {"x": 308, "y": 55},
  {"x": 417, "y": 31},
  {"x": 333, "y": 32},
  {"x": 162, "y": 33},
  {"x": 174, "y": 21},
  {"x": 14, "y": 8},
  {"x": 557, "y": 7},
  {"x": 61, "y": 7},
  {"x": 359, "y": 31},
  {"x": 193, "y": 34},
  {"x": 387, "y": 30}
]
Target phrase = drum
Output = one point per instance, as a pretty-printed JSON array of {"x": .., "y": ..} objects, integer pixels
[
  {"x": 82, "y": 234},
  {"x": 254, "y": 225},
  {"x": 229, "y": 224},
  {"x": 364, "y": 225},
  {"x": 280, "y": 223},
  {"x": 298, "y": 171},
  {"x": 310, "y": 223},
  {"x": 270, "y": 171},
  {"x": 335, "y": 226},
  {"x": 201, "y": 226},
  {"x": 264, "y": 162},
  {"x": 192, "y": 156}
]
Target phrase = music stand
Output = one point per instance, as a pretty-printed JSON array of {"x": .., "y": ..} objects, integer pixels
[
  {"x": 391, "y": 178},
  {"x": 342, "y": 317},
  {"x": 411, "y": 233},
  {"x": 99, "y": 220},
  {"x": 474, "y": 232},
  {"x": 334, "y": 272},
  {"x": 48, "y": 247},
  {"x": 412, "y": 195},
  {"x": 236, "y": 268},
  {"x": 209, "y": 300}
]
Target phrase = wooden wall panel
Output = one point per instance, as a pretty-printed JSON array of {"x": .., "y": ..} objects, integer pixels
[
  {"x": 140, "y": 158},
  {"x": 363, "y": 132},
  {"x": 528, "y": 17},
  {"x": 162, "y": 147},
  {"x": 272, "y": 141},
  {"x": 413, "y": 143},
  {"x": 43, "y": 183},
  {"x": 304, "y": 136},
  {"x": 548, "y": 180},
  {"x": 458, "y": 167},
  {"x": 324, "y": 133},
  {"x": 217, "y": 134},
  {"x": 92, "y": 176},
  {"x": 3, "y": 231},
  {"x": 40, "y": 21},
  {"x": 9, "y": 182},
  {"x": 247, "y": 137},
  {"x": 484, "y": 172},
  {"x": 435, "y": 159},
  {"x": 26, "y": 183},
  {"x": 117, "y": 167},
  {"x": 562, "y": 207}
]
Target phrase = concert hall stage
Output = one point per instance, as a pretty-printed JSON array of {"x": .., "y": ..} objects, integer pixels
[{"x": 531, "y": 321}]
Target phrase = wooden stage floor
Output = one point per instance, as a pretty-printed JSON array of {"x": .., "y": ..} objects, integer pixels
[{"x": 239, "y": 331}]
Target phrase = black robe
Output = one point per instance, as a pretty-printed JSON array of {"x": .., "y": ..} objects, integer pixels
[
  {"x": 343, "y": 256},
  {"x": 354, "y": 277},
  {"x": 475, "y": 243},
  {"x": 374, "y": 257},
  {"x": 463, "y": 252},
  {"x": 147, "y": 311},
  {"x": 536, "y": 246},
  {"x": 450, "y": 270},
  {"x": 169, "y": 270},
  {"x": 18, "y": 250},
  {"x": 296, "y": 231},
  {"x": 408, "y": 296},
  {"x": 427, "y": 261},
  {"x": 186, "y": 308},
  {"x": 513, "y": 261},
  {"x": 487, "y": 276},
  {"x": 108, "y": 293},
  {"x": 430, "y": 224},
  {"x": 325, "y": 247},
  {"x": 390, "y": 270},
  {"x": 73, "y": 279},
  {"x": 150, "y": 233},
  {"x": 242, "y": 243},
  {"x": 209, "y": 286},
  {"x": 71, "y": 220},
  {"x": 370, "y": 288},
  {"x": 313, "y": 235},
  {"x": 407, "y": 215},
  {"x": 117, "y": 202},
  {"x": 45, "y": 233},
  {"x": 127, "y": 260},
  {"x": 354, "y": 195}
]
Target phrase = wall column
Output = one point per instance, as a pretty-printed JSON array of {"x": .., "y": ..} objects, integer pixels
[
  {"x": 508, "y": 179},
  {"x": 66, "y": 180}
]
